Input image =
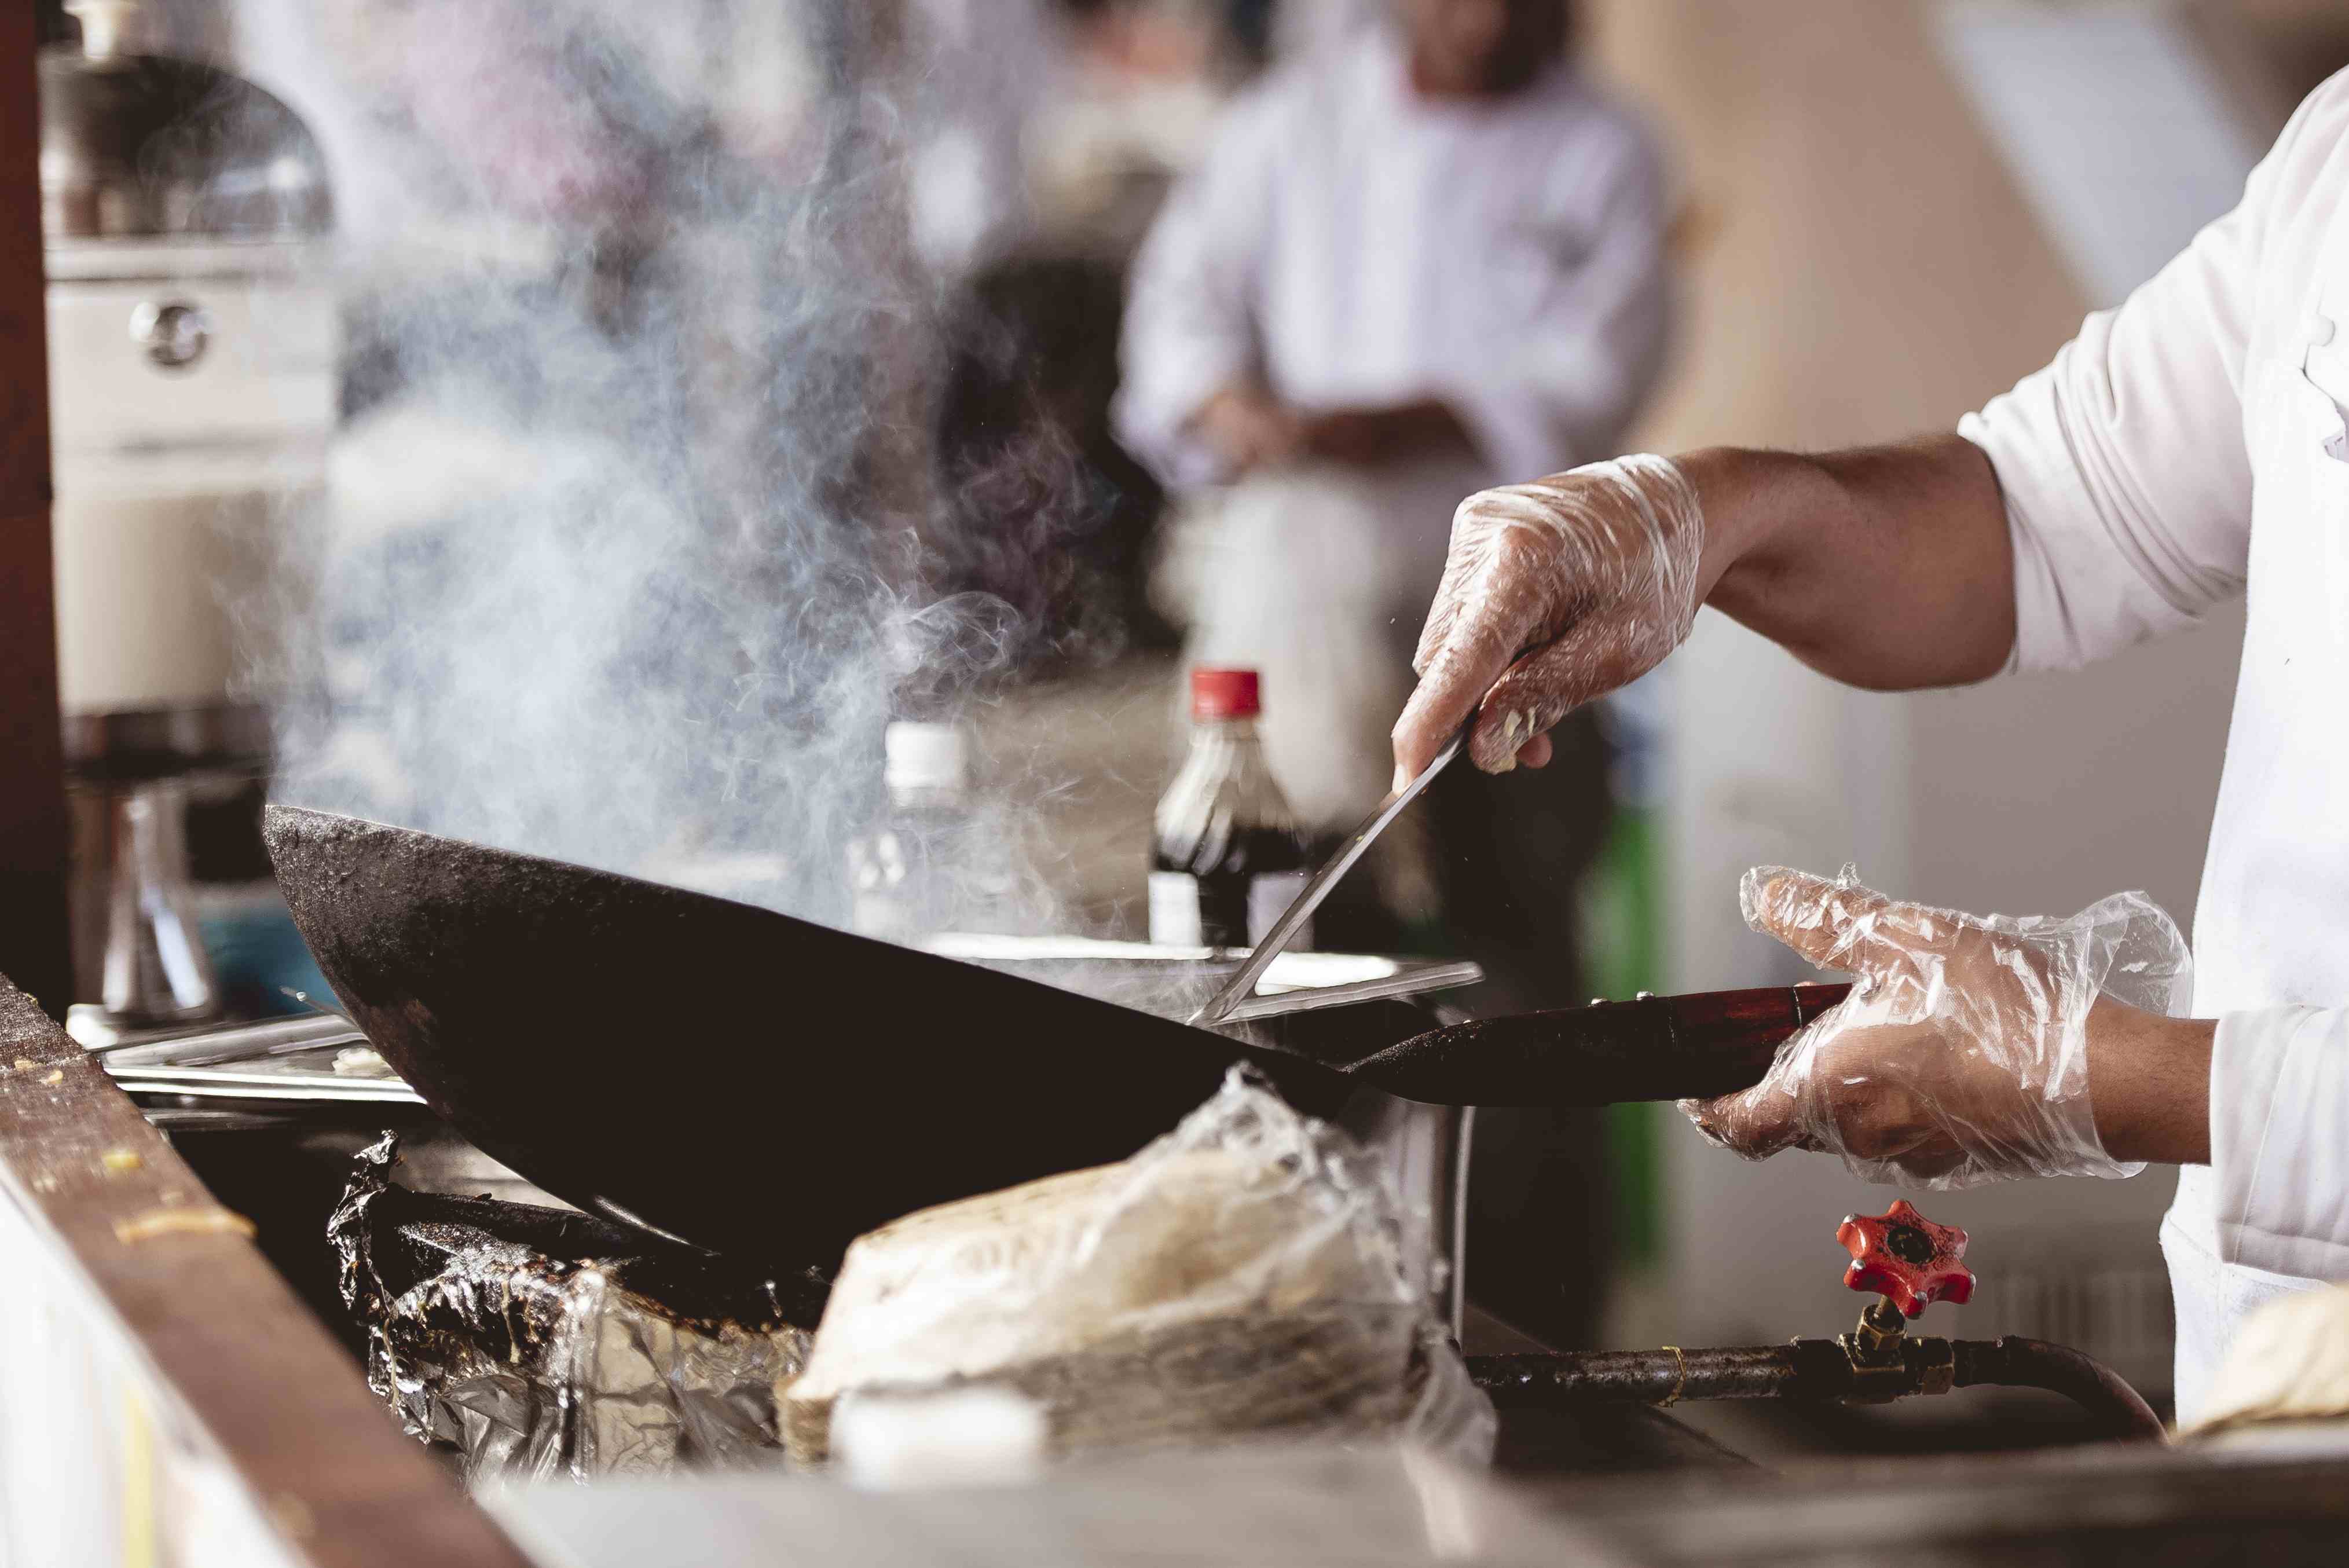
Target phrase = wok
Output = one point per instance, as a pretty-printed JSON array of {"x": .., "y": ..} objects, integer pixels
[
  {"x": 759, "y": 1085},
  {"x": 725, "y": 1074}
]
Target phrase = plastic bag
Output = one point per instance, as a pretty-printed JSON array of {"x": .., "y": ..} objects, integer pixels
[{"x": 1242, "y": 1276}]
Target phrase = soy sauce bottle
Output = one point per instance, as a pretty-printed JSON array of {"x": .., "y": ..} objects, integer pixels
[{"x": 1228, "y": 856}]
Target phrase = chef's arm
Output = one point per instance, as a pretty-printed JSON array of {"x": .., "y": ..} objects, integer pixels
[
  {"x": 2107, "y": 499},
  {"x": 2152, "y": 1078},
  {"x": 1887, "y": 567}
]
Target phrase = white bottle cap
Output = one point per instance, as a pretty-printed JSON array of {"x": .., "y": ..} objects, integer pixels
[
  {"x": 110, "y": 29},
  {"x": 970, "y": 1436},
  {"x": 926, "y": 756}
]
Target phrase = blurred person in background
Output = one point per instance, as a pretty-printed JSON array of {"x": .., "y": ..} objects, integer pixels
[{"x": 1424, "y": 254}]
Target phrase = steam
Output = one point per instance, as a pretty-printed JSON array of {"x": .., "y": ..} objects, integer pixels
[{"x": 633, "y": 539}]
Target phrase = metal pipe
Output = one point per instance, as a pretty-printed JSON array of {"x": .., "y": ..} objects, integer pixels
[
  {"x": 1644, "y": 1376},
  {"x": 213, "y": 1045},
  {"x": 1815, "y": 1369},
  {"x": 2012, "y": 1362}
]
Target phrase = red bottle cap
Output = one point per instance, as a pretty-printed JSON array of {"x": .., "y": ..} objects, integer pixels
[{"x": 1224, "y": 693}]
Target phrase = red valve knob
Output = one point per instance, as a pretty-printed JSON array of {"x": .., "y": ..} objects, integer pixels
[{"x": 1907, "y": 1258}]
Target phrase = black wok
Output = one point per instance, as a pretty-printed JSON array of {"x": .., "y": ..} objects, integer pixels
[{"x": 730, "y": 1076}]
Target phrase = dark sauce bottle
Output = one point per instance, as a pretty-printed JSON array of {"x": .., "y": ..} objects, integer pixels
[{"x": 1227, "y": 856}]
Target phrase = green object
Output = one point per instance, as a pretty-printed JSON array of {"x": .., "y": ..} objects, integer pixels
[{"x": 1622, "y": 928}]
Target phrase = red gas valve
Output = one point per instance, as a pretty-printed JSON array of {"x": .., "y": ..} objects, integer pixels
[{"x": 1907, "y": 1258}]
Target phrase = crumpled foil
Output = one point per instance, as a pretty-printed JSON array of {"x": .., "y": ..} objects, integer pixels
[{"x": 530, "y": 1364}]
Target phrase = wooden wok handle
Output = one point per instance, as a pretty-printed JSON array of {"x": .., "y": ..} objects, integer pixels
[
  {"x": 1723, "y": 1022},
  {"x": 1651, "y": 1048}
]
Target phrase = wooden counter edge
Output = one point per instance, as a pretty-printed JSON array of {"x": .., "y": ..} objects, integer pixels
[{"x": 220, "y": 1332}]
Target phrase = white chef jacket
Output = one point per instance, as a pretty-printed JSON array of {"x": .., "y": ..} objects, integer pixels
[
  {"x": 1353, "y": 243},
  {"x": 2189, "y": 446}
]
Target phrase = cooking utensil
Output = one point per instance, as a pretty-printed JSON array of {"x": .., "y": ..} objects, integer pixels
[
  {"x": 723, "y": 1073},
  {"x": 1172, "y": 980},
  {"x": 1420, "y": 980},
  {"x": 286, "y": 1072},
  {"x": 1283, "y": 930},
  {"x": 1650, "y": 1048}
]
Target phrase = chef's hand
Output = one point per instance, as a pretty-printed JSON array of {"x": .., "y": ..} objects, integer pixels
[
  {"x": 1964, "y": 1052},
  {"x": 1248, "y": 429},
  {"x": 1554, "y": 593}
]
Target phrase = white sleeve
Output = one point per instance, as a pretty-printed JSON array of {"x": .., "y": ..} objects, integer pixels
[
  {"x": 2280, "y": 1140},
  {"x": 1566, "y": 387},
  {"x": 2124, "y": 464},
  {"x": 1189, "y": 326}
]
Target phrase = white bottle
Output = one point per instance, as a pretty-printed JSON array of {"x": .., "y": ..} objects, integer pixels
[{"x": 901, "y": 883}]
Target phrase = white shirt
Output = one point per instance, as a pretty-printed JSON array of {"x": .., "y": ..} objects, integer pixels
[
  {"x": 1353, "y": 243},
  {"x": 2187, "y": 447},
  {"x": 984, "y": 65}
]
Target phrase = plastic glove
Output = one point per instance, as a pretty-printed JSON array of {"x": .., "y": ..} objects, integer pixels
[
  {"x": 1961, "y": 1056},
  {"x": 1554, "y": 593}
]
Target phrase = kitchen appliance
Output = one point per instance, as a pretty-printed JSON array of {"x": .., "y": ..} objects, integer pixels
[
  {"x": 132, "y": 774},
  {"x": 471, "y": 1302},
  {"x": 1608, "y": 1397},
  {"x": 192, "y": 335}
]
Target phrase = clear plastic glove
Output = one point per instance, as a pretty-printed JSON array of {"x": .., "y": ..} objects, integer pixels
[
  {"x": 1555, "y": 593},
  {"x": 1961, "y": 1056}
]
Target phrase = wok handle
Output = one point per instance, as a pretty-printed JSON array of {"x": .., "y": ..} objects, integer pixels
[
  {"x": 1740, "y": 1022},
  {"x": 1652, "y": 1048}
]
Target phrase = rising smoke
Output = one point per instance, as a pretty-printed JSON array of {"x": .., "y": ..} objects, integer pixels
[{"x": 633, "y": 539}]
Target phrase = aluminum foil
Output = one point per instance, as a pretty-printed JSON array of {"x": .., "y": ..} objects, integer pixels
[{"x": 532, "y": 1364}]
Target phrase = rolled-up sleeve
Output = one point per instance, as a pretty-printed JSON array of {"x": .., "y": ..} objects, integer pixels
[
  {"x": 2126, "y": 471},
  {"x": 2280, "y": 1140},
  {"x": 1189, "y": 327}
]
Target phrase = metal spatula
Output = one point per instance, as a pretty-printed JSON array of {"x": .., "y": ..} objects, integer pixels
[{"x": 1276, "y": 940}]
